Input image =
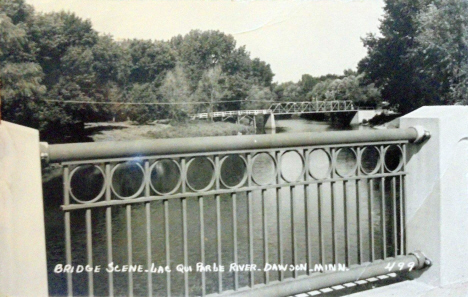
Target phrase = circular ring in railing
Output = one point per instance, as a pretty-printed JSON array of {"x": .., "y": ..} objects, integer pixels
[
  {"x": 370, "y": 159},
  {"x": 127, "y": 180},
  {"x": 263, "y": 169},
  {"x": 393, "y": 158},
  {"x": 235, "y": 166},
  {"x": 320, "y": 164},
  {"x": 345, "y": 161},
  {"x": 292, "y": 158},
  {"x": 165, "y": 177},
  {"x": 196, "y": 178},
  {"x": 88, "y": 178}
]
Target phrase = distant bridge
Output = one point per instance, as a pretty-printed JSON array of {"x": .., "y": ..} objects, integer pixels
[
  {"x": 346, "y": 108},
  {"x": 284, "y": 108}
]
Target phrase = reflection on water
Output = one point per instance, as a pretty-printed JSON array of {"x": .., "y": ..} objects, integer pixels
[
  {"x": 326, "y": 214},
  {"x": 303, "y": 125}
]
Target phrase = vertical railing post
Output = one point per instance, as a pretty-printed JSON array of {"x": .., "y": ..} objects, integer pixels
[{"x": 23, "y": 266}]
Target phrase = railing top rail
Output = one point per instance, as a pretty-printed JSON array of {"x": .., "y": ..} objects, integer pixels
[{"x": 87, "y": 151}]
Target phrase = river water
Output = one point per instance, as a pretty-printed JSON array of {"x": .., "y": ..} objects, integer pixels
[{"x": 120, "y": 219}]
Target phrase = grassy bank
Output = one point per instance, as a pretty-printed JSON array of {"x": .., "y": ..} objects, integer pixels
[{"x": 127, "y": 131}]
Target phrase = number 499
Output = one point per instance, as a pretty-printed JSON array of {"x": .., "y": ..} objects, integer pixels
[{"x": 401, "y": 265}]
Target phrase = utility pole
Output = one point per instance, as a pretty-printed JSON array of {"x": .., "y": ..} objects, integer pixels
[{"x": 211, "y": 104}]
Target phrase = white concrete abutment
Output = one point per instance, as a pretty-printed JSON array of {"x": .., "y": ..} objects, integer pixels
[
  {"x": 23, "y": 267},
  {"x": 269, "y": 121},
  {"x": 436, "y": 204},
  {"x": 437, "y": 193}
]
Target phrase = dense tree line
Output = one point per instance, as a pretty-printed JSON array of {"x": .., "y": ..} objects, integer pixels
[
  {"x": 50, "y": 60},
  {"x": 47, "y": 60},
  {"x": 349, "y": 86}
]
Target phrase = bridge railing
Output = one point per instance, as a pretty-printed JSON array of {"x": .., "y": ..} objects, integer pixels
[
  {"x": 312, "y": 106},
  {"x": 231, "y": 113},
  {"x": 287, "y": 108},
  {"x": 272, "y": 210}
]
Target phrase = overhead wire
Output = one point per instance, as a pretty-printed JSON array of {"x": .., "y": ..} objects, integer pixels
[{"x": 150, "y": 103}]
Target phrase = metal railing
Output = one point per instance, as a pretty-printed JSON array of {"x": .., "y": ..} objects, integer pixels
[
  {"x": 312, "y": 107},
  {"x": 291, "y": 204},
  {"x": 283, "y": 108},
  {"x": 235, "y": 113}
]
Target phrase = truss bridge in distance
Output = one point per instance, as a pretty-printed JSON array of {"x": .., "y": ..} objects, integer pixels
[{"x": 350, "y": 112}]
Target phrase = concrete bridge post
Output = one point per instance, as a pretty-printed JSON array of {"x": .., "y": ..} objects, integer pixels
[
  {"x": 437, "y": 193},
  {"x": 254, "y": 123},
  {"x": 23, "y": 266},
  {"x": 270, "y": 121}
]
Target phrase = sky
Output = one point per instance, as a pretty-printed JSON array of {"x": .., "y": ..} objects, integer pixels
[{"x": 295, "y": 37}]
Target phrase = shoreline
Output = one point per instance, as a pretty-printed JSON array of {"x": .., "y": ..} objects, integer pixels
[{"x": 121, "y": 131}]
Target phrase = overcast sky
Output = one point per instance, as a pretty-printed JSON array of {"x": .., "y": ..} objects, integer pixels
[{"x": 295, "y": 36}]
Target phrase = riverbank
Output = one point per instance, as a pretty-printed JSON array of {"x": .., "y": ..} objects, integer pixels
[{"x": 128, "y": 131}]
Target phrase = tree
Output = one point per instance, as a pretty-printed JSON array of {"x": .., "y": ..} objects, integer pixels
[
  {"x": 259, "y": 97},
  {"x": 261, "y": 72},
  {"x": 78, "y": 82},
  {"x": 21, "y": 78},
  {"x": 307, "y": 84},
  {"x": 211, "y": 89},
  {"x": 55, "y": 67},
  {"x": 17, "y": 10},
  {"x": 143, "y": 93},
  {"x": 175, "y": 90},
  {"x": 320, "y": 89},
  {"x": 442, "y": 47},
  {"x": 21, "y": 92},
  {"x": 111, "y": 62},
  {"x": 292, "y": 92},
  {"x": 199, "y": 51},
  {"x": 351, "y": 88},
  {"x": 389, "y": 63},
  {"x": 150, "y": 60},
  {"x": 53, "y": 34},
  {"x": 421, "y": 57}
]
